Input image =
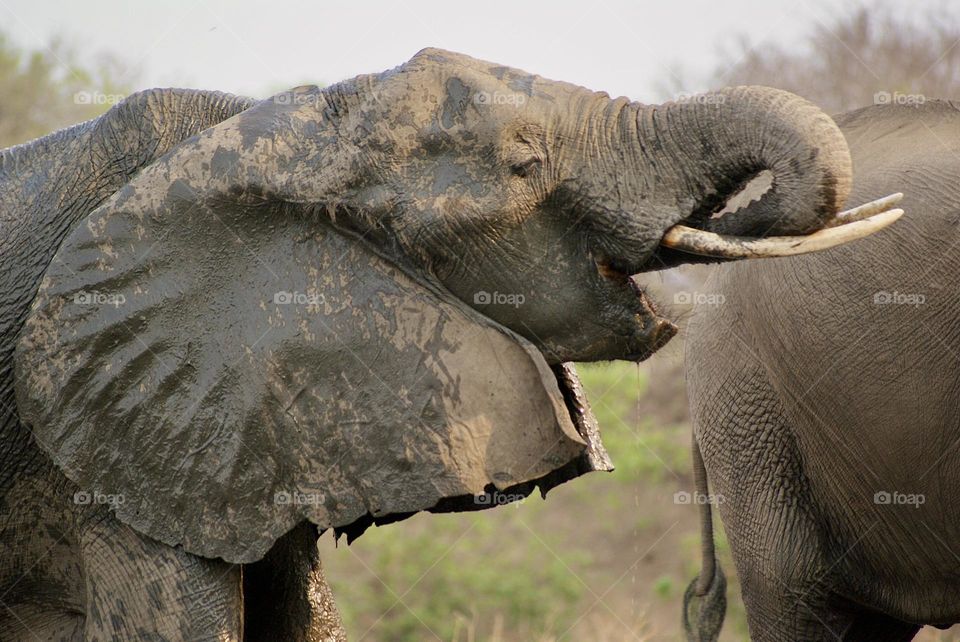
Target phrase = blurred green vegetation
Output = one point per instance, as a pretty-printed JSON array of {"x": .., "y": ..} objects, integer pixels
[
  {"x": 641, "y": 449},
  {"x": 46, "y": 89},
  {"x": 445, "y": 577}
]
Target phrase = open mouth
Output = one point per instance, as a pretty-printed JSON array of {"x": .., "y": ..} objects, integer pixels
[
  {"x": 621, "y": 275},
  {"x": 651, "y": 330},
  {"x": 659, "y": 329}
]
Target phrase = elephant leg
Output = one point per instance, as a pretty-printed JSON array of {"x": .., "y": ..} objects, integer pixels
[
  {"x": 286, "y": 596},
  {"x": 785, "y": 599},
  {"x": 41, "y": 577},
  {"x": 784, "y": 558},
  {"x": 756, "y": 475},
  {"x": 141, "y": 589}
]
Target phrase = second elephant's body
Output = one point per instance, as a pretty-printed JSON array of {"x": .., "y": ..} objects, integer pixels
[{"x": 825, "y": 393}]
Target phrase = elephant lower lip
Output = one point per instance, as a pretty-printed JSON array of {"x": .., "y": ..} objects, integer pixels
[
  {"x": 649, "y": 307},
  {"x": 658, "y": 330},
  {"x": 640, "y": 329},
  {"x": 663, "y": 331},
  {"x": 613, "y": 272}
]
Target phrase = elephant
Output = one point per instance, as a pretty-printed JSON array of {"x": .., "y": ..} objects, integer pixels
[
  {"x": 229, "y": 325},
  {"x": 822, "y": 395}
]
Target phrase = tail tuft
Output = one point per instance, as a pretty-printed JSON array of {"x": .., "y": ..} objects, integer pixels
[{"x": 703, "y": 614}]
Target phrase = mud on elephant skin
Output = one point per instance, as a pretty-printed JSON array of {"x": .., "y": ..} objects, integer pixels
[{"x": 247, "y": 319}]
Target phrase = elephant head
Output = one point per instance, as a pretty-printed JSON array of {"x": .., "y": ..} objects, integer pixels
[{"x": 349, "y": 304}]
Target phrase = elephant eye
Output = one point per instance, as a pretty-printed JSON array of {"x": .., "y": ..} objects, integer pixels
[{"x": 525, "y": 168}]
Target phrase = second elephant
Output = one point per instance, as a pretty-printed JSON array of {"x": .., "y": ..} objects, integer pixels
[{"x": 824, "y": 399}]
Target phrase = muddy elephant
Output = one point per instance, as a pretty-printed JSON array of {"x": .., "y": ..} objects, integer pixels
[
  {"x": 228, "y": 324},
  {"x": 824, "y": 400}
]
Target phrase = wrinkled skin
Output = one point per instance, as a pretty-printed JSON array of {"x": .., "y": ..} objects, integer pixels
[
  {"x": 199, "y": 398},
  {"x": 69, "y": 570},
  {"x": 826, "y": 379}
]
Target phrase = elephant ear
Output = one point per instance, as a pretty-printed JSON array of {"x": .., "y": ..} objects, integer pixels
[{"x": 228, "y": 364}]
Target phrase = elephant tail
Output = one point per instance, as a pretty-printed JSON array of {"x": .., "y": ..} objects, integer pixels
[{"x": 705, "y": 601}]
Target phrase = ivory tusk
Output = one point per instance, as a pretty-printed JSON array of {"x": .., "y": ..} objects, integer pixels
[
  {"x": 855, "y": 224},
  {"x": 866, "y": 210}
]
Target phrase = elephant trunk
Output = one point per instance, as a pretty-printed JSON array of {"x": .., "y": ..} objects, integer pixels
[
  {"x": 673, "y": 167},
  {"x": 716, "y": 143}
]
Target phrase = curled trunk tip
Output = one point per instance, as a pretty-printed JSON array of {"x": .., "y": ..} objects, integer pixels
[{"x": 720, "y": 141}]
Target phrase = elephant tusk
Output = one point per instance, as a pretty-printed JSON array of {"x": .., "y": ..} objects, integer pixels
[
  {"x": 866, "y": 210},
  {"x": 853, "y": 224}
]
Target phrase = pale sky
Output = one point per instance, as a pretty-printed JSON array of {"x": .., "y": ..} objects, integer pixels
[{"x": 622, "y": 47}]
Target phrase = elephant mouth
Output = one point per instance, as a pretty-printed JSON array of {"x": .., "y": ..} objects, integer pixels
[
  {"x": 650, "y": 330},
  {"x": 657, "y": 328}
]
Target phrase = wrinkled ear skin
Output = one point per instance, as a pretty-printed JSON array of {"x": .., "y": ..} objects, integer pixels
[
  {"x": 593, "y": 458},
  {"x": 231, "y": 363}
]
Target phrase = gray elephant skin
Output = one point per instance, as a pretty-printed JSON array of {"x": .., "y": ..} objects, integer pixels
[
  {"x": 229, "y": 325},
  {"x": 824, "y": 399}
]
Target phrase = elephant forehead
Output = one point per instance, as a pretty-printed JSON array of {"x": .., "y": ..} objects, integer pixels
[{"x": 481, "y": 74}]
